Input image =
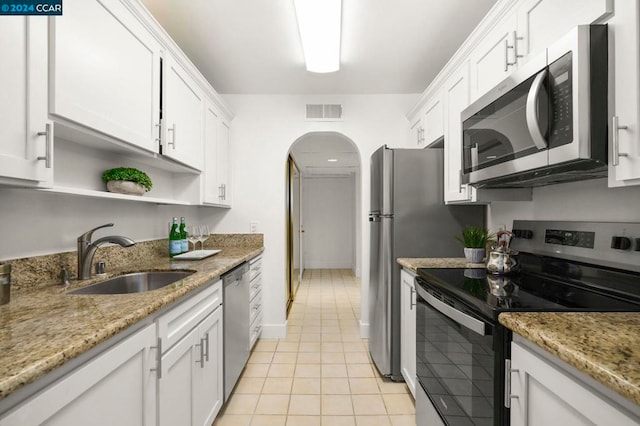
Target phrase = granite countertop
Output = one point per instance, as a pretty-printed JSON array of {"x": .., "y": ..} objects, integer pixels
[
  {"x": 605, "y": 346},
  {"x": 413, "y": 263},
  {"x": 42, "y": 328}
]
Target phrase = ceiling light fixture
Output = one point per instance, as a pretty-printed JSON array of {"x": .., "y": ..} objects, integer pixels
[
  {"x": 319, "y": 23},
  {"x": 332, "y": 160}
]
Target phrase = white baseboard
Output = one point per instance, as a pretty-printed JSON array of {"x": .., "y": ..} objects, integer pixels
[
  {"x": 274, "y": 331},
  {"x": 364, "y": 330}
]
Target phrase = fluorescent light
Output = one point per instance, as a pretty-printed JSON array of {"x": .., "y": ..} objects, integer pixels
[
  {"x": 319, "y": 23},
  {"x": 332, "y": 160}
]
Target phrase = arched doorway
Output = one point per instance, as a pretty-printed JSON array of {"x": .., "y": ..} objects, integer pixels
[{"x": 323, "y": 206}]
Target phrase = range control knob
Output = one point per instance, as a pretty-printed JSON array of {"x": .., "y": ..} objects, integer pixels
[
  {"x": 523, "y": 233},
  {"x": 620, "y": 243},
  {"x": 637, "y": 246}
]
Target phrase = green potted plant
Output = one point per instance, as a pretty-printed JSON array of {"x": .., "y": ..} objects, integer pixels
[
  {"x": 475, "y": 241},
  {"x": 126, "y": 180}
]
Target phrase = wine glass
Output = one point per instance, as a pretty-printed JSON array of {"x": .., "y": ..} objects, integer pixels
[
  {"x": 193, "y": 235},
  {"x": 204, "y": 235}
]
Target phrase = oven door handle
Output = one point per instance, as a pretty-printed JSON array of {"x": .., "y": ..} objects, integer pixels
[
  {"x": 455, "y": 315},
  {"x": 533, "y": 122}
]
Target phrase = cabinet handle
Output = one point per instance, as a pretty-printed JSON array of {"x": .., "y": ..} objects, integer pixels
[
  {"x": 48, "y": 145},
  {"x": 172, "y": 129},
  {"x": 507, "y": 64},
  {"x": 206, "y": 339},
  {"x": 460, "y": 182},
  {"x": 412, "y": 299},
  {"x": 615, "y": 141},
  {"x": 158, "y": 349},
  {"x": 515, "y": 45},
  {"x": 224, "y": 191},
  {"x": 159, "y": 126},
  {"x": 507, "y": 383},
  {"x": 201, "y": 360}
]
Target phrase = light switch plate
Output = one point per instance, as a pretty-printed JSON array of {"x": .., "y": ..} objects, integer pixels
[{"x": 253, "y": 227}]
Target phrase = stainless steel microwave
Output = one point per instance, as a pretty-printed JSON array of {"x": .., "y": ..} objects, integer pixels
[{"x": 547, "y": 122}]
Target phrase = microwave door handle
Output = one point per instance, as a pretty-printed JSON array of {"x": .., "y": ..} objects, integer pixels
[{"x": 532, "y": 111}]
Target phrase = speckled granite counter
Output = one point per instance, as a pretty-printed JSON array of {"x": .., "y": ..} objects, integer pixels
[
  {"x": 413, "y": 263},
  {"x": 605, "y": 346},
  {"x": 42, "y": 328}
]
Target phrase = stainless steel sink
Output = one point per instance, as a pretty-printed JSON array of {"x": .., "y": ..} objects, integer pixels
[{"x": 137, "y": 282}]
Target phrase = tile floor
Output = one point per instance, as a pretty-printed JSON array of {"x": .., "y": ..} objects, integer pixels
[{"x": 321, "y": 374}]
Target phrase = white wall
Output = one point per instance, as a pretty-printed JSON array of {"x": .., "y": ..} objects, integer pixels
[
  {"x": 588, "y": 200},
  {"x": 264, "y": 129},
  {"x": 329, "y": 222}
]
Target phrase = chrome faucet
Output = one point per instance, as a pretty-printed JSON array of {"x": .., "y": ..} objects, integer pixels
[{"x": 86, "y": 249}]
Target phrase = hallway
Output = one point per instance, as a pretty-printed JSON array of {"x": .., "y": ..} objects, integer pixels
[{"x": 321, "y": 374}]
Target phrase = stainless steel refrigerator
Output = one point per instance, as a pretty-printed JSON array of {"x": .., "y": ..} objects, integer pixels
[{"x": 408, "y": 218}]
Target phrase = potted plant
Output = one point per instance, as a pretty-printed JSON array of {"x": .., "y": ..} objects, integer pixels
[
  {"x": 475, "y": 241},
  {"x": 126, "y": 180}
]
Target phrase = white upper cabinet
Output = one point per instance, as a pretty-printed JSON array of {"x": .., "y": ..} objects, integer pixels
[
  {"x": 416, "y": 133},
  {"x": 456, "y": 99},
  {"x": 433, "y": 119},
  {"x": 210, "y": 192},
  {"x": 223, "y": 174},
  {"x": 183, "y": 111},
  {"x": 541, "y": 22},
  {"x": 26, "y": 134},
  {"x": 624, "y": 159},
  {"x": 105, "y": 71}
]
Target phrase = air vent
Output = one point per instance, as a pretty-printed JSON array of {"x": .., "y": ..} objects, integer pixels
[{"x": 324, "y": 112}]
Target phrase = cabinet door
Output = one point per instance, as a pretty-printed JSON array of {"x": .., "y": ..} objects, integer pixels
[
  {"x": 408, "y": 330},
  {"x": 494, "y": 58},
  {"x": 623, "y": 33},
  {"x": 224, "y": 159},
  {"x": 211, "y": 191},
  {"x": 177, "y": 388},
  {"x": 23, "y": 103},
  {"x": 547, "y": 395},
  {"x": 456, "y": 96},
  {"x": 208, "y": 375},
  {"x": 118, "y": 387},
  {"x": 416, "y": 133},
  {"x": 183, "y": 116},
  {"x": 433, "y": 119},
  {"x": 541, "y": 22},
  {"x": 105, "y": 71}
]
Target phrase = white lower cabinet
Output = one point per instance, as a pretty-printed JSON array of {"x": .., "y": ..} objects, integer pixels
[
  {"x": 545, "y": 394},
  {"x": 255, "y": 295},
  {"x": 118, "y": 387},
  {"x": 408, "y": 330}
]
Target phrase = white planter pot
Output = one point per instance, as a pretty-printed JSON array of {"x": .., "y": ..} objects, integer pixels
[
  {"x": 125, "y": 187},
  {"x": 474, "y": 255}
]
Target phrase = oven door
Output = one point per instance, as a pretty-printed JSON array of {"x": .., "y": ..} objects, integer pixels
[{"x": 458, "y": 362}]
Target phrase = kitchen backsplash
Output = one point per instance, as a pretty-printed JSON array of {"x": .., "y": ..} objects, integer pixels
[{"x": 44, "y": 270}]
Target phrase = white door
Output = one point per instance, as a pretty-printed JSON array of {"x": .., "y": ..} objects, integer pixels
[
  {"x": 183, "y": 116},
  {"x": 23, "y": 104},
  {"x": 105, "y": 71},
  {"x": 208, "y": 374}
]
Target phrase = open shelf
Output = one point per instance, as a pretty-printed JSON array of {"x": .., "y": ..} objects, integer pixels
[{"x": 114, "y": 196}]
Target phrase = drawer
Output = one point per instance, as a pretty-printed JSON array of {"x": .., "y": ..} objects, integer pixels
[
  {"x": 176, "y": 323},
  {"x": 256, "y": 330},
  {"x": 256, "y": 307},
  {"x": 255, "y": 287},
  {"x": 255, "y": 268}
]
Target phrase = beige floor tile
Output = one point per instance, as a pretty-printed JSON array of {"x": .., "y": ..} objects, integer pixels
[
  {"x": 249, "y": 385},
  {"x": 268, "y": 420},
  {"x": 292, "y": 337},
  {"x": 281, "y": 370},
  {"x": 241, "y": 404},
  {"x": 389, "y": 386},
  {"x": 330, "y": 329},
  {"x": 336, "y": 405},
  {"x": 266, "y": 345},
  {"x": 351, "y": 337},
  {"x": 338, "y": 421},
  {"x": 256, "y": 370},
  {"x": 368, "y": 405},
  {"x": 310, "y": 337},
  {"x": 354, "y": 347},
  {"x": 303, "y": 421},
  {"x": 233, "y": 420},
  {"x": 373, "y": 421},
  {"x": 306, "y": 386},
  {"x": 333, "y": 357},
  {"x": 260, "y": 358},
  {"x": 403, "y": 420},
  {"x": 285, "y": 358},
  {"x": 307, "y": 405},
  {"x": 334, "y": 370},
  {"x": 287, "y": 346},
  {"x": 294, "y": 329},
  {"x": 335, "y": 386},
  {"x": 312, "y": 329},
  {"x": 362, "y": 386},
  {"x": 272, "y": 404},
  {"x": 399, "y": 403},
  {"x": 309, "y": 347},
  {"x": 307, "y": 370},
  {"x": 309, "y": 358},
  {"x": 360, "y": 370},
  {"x": 356, "y": 357},
  {"x": 332, "y": 337},
  {"x": 277, "y": 385},
  {"x": 332, "y": 347}
]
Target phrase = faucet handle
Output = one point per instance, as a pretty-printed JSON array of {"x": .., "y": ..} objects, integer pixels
[{"x": 87, "y": 235}]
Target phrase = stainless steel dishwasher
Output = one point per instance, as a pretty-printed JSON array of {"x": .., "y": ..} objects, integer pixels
[{"x": 235, "y": 293}]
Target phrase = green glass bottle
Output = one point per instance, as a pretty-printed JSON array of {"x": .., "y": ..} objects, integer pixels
[
  {"x": 183, "y": 236},
  {"x": 175, "y": 240}
]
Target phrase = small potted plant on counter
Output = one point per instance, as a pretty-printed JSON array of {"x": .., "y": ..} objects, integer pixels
[
  {"x": 126, "y": 180},
  {"x": 475, "y": 241}
]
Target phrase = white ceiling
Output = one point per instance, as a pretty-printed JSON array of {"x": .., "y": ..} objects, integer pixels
[
  {"x": 312, "y": 152},
  {"x": 252, "y": 46}
]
